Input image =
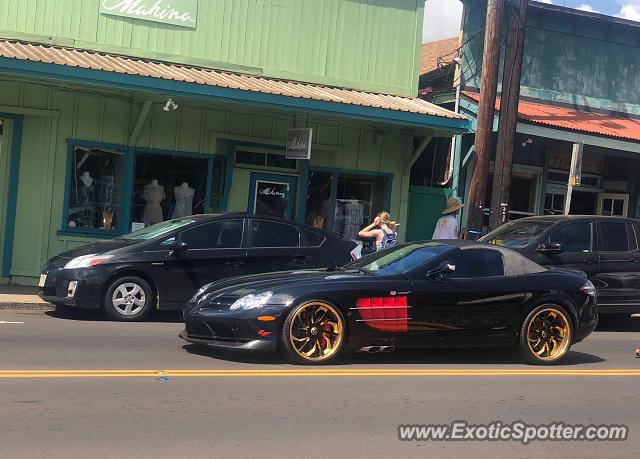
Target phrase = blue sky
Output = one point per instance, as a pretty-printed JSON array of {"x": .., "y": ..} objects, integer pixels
[{"x": 442, "y": 17}]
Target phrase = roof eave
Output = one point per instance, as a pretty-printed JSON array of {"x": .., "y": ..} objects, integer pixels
[{"x": 221, "y": 94}]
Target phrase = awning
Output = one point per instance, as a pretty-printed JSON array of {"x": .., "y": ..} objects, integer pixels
[
  {"x": 599, "y": 124},
  {"x": 141, "y": 74}
]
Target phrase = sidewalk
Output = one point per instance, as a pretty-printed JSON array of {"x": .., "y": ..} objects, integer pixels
[{"x": 21, "y": 297}]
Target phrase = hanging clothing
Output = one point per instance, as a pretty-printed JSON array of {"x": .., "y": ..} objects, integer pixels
[{"x": 353, "y": 219}]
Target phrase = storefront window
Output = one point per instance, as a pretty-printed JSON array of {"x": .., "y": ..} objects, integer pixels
[
  {"x": 167, "y": 187},
  {"x": 319, "y": 199},
  {"x": 96, "y": 188},
  {"x": 358, "y": 200}
]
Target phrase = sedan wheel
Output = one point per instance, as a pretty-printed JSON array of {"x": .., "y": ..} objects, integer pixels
[
  {"x": 129, "y": 299},
  {"x": 314, "y": 332},
  {"x": 546, "y": 334}
]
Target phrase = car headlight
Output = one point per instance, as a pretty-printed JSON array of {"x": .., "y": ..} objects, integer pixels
[
  {"x": 252, "y": 301},
  {"x": 86, "y": 261}
]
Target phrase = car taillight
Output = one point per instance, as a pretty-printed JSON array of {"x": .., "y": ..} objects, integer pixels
[{"x": 589, "y": 289}]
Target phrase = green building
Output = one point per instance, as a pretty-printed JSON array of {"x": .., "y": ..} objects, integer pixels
[{"x": 118, "y": 113}]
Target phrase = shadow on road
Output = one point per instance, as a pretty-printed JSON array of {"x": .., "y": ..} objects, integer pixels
[
  {"x": 406, "y": 357},
  {"x": 618, "y": 323},
  {"x": 97, "y": 315}
]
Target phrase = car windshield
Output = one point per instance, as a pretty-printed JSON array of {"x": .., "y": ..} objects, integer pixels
[
  {"x": 157, "y": 230},
  {"x": 399, "y": 260},
  {"x": 516, "y": 235}
]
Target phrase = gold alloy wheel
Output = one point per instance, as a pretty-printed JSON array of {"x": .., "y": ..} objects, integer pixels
[
  {"x": 316, "y": 331},
  {"x": 549, "y": 334}
]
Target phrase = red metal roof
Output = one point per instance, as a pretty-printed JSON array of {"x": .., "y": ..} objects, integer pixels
[
  {"x": 73, "y": 57},
  {"x": 574, "y": 120}
]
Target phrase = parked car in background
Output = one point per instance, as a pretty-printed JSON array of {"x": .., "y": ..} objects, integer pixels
[
  {"x": 163, "y": 265},
  {"x": 605, "y": 248},
  {"x": 416, "y": 295}
]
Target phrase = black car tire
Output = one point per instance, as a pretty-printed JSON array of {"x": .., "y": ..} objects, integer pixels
[
  {"x": 334, "y": 327},
  {"x": 141, "y": 303},
  {"x": 546, "y": 323}
]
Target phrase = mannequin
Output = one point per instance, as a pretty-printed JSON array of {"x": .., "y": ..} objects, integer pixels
[
  {"x": 184, "y": 200},
  {"x": 153, "y": 195}
]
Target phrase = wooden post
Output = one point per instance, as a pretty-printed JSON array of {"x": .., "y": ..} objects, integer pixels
[
  {"x": 510, "y": 98},
  {"x": 486, "y": 111}
]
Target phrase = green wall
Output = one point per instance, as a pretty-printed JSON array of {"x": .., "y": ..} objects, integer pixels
[
  {"x": 567, "y": 58},
  {"x": 55, "y": 113},
  {"x": 367, "y": 44}
]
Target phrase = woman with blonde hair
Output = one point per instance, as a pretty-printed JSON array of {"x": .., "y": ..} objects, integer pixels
[{"x": 382, "y": 229}]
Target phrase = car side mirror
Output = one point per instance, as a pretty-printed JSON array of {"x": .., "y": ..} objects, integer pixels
[
  {"x": 443, "y": 268},
  {"x": 179, "y": 247},
  {"x": 550, "y": 248}
]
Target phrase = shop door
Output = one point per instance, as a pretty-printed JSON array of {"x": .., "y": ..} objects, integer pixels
[
  {"x": 272, "y": 195},
  {"x": 613, "y": 204}
]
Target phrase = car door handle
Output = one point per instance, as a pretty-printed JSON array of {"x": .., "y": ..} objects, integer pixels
[
  {"x": 590, "y": 260},
  {"x": 234, "y": 264}
]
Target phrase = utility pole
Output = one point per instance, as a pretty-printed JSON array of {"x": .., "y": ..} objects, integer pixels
[
  {"x": 486, "y": 110},
  {"x": 510, "y": 98}
]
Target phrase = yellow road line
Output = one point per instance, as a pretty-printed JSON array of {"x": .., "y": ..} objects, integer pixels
[{"x": 323, "y": 372}]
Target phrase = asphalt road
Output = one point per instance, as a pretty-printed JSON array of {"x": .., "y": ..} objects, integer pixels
[{"x": 74, "y": 385}]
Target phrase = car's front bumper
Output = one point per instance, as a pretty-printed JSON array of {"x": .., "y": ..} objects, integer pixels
[
  {"x": 253, "y": 345},
  {"x": 86, "y": 294}
]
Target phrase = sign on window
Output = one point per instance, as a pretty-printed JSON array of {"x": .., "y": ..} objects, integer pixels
[{"x": 299, "y": 143}]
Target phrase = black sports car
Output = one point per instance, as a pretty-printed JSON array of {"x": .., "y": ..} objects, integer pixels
[
  {"x": 426, "y": 294},
  {"x": 163, "y": 265}
]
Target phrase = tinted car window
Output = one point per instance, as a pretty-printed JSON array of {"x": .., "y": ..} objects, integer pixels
[
  {"x": 310, "y": 238},
  {"x": 575, "y": 237},
  {"x": 472, "y": 263},
  {"x": 266, "y": 233},
  {"x": 217, "y": 235},
  {"x": 517, "y": 234},
  {"x": 399, "y": 259},
  {"x": 634, "y": 234},
  {"x": 613, "y": 237}
]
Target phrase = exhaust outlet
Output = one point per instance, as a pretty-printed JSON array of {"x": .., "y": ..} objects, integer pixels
[{"x": 376, "y": 349}]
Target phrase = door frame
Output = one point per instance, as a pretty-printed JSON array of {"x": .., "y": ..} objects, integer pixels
[{"x": 281, "y": 179}]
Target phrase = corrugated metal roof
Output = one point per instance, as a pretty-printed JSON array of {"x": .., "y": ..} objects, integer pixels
[
  {"x": 575, "y": 120},
  {"x": 433, "y": 52},
  {"x": 73, "y": 57}
]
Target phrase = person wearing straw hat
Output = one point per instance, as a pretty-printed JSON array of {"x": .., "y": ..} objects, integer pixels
[{"x": 447, "y": 226}]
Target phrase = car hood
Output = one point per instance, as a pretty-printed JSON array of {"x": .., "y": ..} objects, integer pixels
[
  {"x": 100, "y": 247},
  {"x": 244, "y": 285}
]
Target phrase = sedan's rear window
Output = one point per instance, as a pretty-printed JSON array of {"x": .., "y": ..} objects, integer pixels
[{"x": 516, "y": 235}]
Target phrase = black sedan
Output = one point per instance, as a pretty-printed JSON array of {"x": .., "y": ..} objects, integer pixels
[
  {"x": 163, "y": 265},
  {"x": 417, "y": 295}
]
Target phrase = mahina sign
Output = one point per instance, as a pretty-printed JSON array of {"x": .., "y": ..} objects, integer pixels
[{"x": 178, "y": 12}]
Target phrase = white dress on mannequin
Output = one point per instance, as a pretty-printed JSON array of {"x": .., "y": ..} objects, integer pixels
[
  {"x": 184, "y": 200},
  {"x": 153, "y": 195}
]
